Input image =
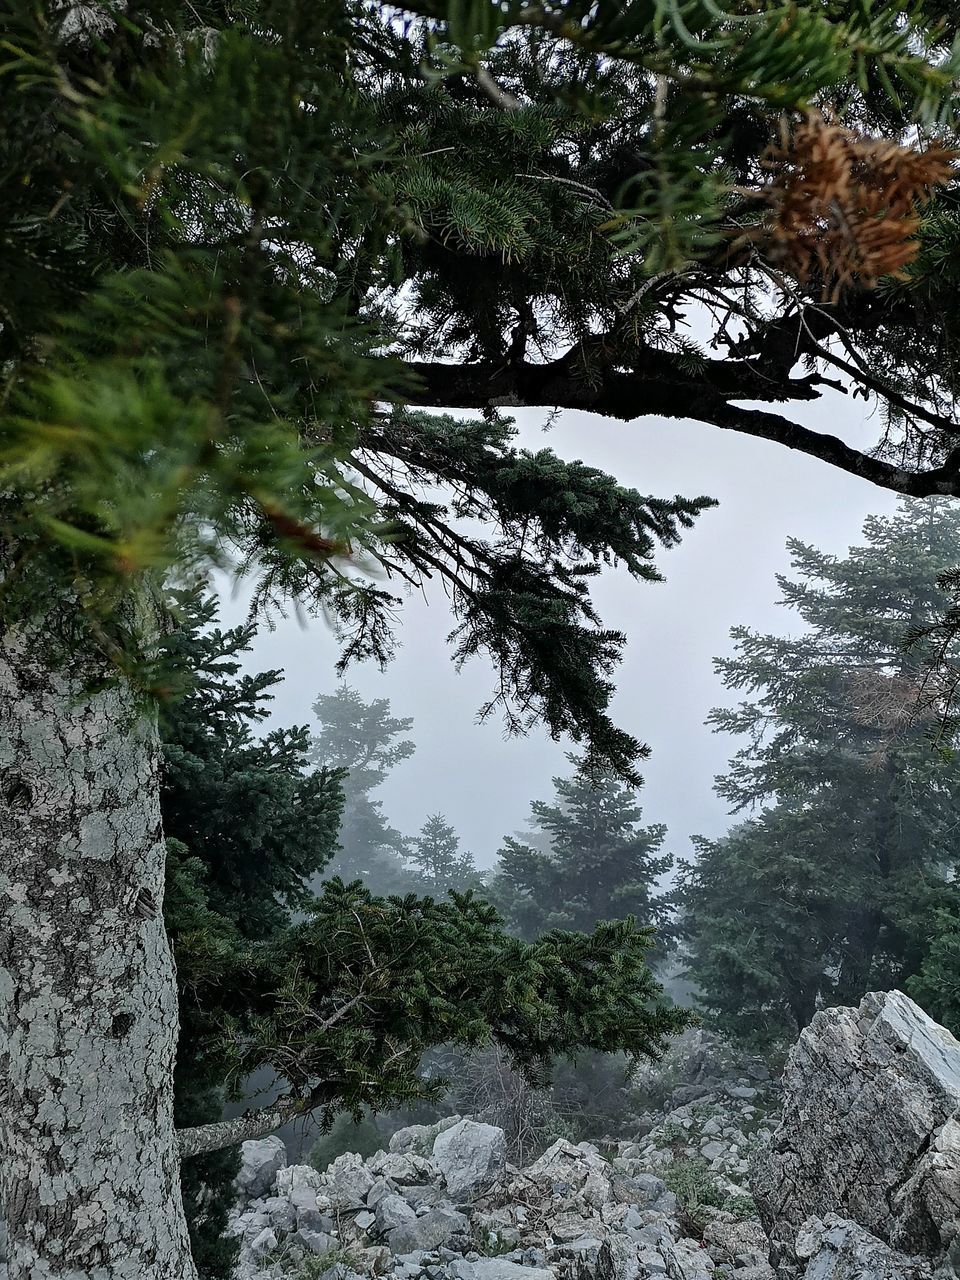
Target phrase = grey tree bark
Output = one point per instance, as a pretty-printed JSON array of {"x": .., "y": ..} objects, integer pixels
[{"x": 89, "y": 1165}]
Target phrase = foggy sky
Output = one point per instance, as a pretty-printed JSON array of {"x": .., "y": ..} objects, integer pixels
[{"x": 721, "y": 575}]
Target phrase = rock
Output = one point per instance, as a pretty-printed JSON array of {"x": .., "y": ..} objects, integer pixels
[
  {"x": 619, "y": 1259},
  {"x": 836, "y": 1249},
  {"x": 298, "y": 1177},
  {"x": 265, "y": 1242},
  {"x": 315, "y": 1242},
  {"x": 470, "y": 1155},
  {"x": 375, "y": 1261},
  {"x": 737, "y": 1242},
  {"x": 867, "y": 1130},
  {"x": 418, "y": 1139},
  {"x": 260, "y": 1162},
  {"x": 348, "y": 1181},
  {"x": 404, "y": 1169},
  {"x": 496, "y": 1269},
  {"x": 687, "y": 1093},
  {"x": 558, "y": 1155},
  {"x": 283, "y": 1215},
  {"x": 393, "y": 1211},
  {"x": 644, "y": 1190},
  {"x": 419, "y": 1195},
  {"x": 433, "y": 1229}
]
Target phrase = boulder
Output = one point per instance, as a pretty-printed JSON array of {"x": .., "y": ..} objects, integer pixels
[
  {"x": 283, "y": 1214},
  {"x": 315, "y": 1242},
  {"x": 260, "y": 1162},
  {"x": 393, "y": 1211},
  {"x": 418, "y": 1139},
  {"x": 429, "y": 1232},
  {"x": 644, "y": 1190},
  {"x": 297, "y": 1178},
  {"x": 835, "y": 1248},
  {"x": 348, "y": 1181},
  {"x": 265, "y": 1242},
  {"x": 470, "y": 1156},
  {"x": 405, "y": 1169},
  {"x": 868, "y": 1131},
  {"x": 496, "y": 1269}
]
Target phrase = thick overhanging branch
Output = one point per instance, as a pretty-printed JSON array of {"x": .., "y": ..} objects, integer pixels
[
  {"x": 205, "y": 1138},
  {"x": 664, "y": 391}
]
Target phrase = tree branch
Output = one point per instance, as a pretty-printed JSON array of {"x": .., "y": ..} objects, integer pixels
[
  {"x": 662, "y": 388},
  {"x": 205, "y": 1138}
]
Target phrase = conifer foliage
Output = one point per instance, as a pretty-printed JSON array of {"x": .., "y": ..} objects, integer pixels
[
  {"x": 237, "y": 243},
  {"x": 587, "y": 858},
  {"x": 248, "y": 822},
  {"x": 437, "y": 859},
  {"x": 365, "y": 741},
  {"x": 822, "y": 895}
]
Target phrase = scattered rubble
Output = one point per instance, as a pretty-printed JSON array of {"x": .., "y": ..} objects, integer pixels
[{"x": 858, "y": 1180}]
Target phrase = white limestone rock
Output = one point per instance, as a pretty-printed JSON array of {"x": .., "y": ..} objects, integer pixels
[
  {"x": 470, "y": 1156},
  {"x": 260, "y": 1162},
  {"x": 868, "y": 1130}
]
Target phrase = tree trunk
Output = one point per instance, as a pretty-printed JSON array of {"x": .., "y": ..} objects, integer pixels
[{"x": 89, "y": 1167}]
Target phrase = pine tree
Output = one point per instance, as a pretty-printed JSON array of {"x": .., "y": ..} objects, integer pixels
[
  {"x": 364, "y": 740},
  {"x": 438, "y": 861},
  {"x": 805, "y": 904},
  {"x": 595, "y": 862}
]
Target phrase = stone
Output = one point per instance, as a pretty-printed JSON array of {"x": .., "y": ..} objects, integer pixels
[
  {"x": 470, "y": 1155},
  {"x": 316, "y": 1242},
  {"x": 496, "y": 1269},
  {"x": 738, "y": 1241},
  {"x": 299, "y": 1177},
  {"x": 260, "y": 1161},
  {"x": 348, "y": 1181},
  {"x": 418, "y": 1139},
  {"x": 283, "y": 1215},
  {"x": 867, "y": 1131},
  {"x": 435, "y": 1228},
  {"x": 419, "y": 1195},
  {"x": 405, "y": 1169},
  {"x": 835, "y": 1248},
  {"x": 393, "y": 1211},
  {"x": 375, "y": 1261},
  {"x": 265, "y": 1242},
  {"x": 559, "y": 1154},
  {"x": 619, "y": 1259},
  {"x": 644, "y": 1190}
]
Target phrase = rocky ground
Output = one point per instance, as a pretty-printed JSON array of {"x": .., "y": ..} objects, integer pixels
[{"x": 852, "y": 1173}]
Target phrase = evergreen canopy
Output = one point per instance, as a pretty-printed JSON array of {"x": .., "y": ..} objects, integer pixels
[
  {"x": 254, "y": 232},
  {"x": 586, "y": 858},
  {"x": 817, "y": 898}
]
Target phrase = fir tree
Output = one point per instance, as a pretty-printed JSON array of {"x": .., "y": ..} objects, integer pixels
[
  {"x": 366, "y": 742},
  {"x": 437, "y": 859},
  {"x": 248, "y": 823},
  {"x": 805, "y": 904},
  {"x": 594, "y": 861}
]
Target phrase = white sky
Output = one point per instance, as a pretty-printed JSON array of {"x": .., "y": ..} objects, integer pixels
[{"x": 722, "y": 575}]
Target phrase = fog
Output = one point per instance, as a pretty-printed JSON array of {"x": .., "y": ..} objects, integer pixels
[{"x": 721, "y": 575}]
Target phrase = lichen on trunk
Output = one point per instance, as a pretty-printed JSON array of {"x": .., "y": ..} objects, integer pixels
[{"x": 89, "y": 1166}]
